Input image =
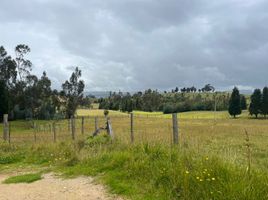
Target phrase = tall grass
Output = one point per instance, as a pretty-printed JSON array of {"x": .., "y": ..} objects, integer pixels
[
  {"x": 146, "y": 171},
  {"x": 215, "y": 159}
]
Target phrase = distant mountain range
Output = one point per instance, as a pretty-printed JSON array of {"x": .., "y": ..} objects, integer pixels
[{"x": 97, "y": 94}]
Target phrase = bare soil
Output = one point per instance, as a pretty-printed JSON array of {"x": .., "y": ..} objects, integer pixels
[{"x": 52, "y": 187}]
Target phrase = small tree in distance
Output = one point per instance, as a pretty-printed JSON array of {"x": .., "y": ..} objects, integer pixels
[
  {"x": 73, "y": 90},
  {"x": 243, "y": 102},
  {"x": 234, "y": 103},
  {"x": 256, "y": 103}
]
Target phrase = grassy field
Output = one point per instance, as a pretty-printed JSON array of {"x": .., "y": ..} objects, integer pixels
[
  {"x": 183, "y": 115},
  {"x": 214, "y": 160}
]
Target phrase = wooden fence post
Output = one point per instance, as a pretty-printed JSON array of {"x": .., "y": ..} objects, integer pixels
[
  {"x": 34, "y": 129},
  {"x": 6, "y": 127},
  {"x": 70, "y": 125},
  {"x": 132, "y": 127},
  {"x": 9, "y": 133},
  {"x": 73, "y": 127},
  {"x": 82, "y": 125},
  {"x": 175, "y": 128},
  {"x": 109, "y": 128},
  {"x": 96, "y": 123},
  {"x": 54, "y": 132}
]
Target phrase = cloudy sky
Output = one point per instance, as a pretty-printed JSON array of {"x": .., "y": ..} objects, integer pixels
[{"x": 137, "y": 44}]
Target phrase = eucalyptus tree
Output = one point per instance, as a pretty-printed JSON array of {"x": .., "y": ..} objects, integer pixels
[{"x": 73, "y": 90}]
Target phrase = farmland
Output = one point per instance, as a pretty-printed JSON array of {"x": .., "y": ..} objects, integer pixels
[{"x": 212, "y": 155}]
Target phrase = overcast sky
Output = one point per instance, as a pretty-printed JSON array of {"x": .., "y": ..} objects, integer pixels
[{"x": 138, "y": 44}]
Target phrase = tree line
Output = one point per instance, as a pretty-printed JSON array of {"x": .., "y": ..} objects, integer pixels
[
  {"x": 258, "y": 103},
  {"x": 24, "y": 95},
  {"x": 193, "y": 89},
  {"x": 152, "y": 100}
]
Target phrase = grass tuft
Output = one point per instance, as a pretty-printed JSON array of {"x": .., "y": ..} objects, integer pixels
[{"x": 26, "y": 178}]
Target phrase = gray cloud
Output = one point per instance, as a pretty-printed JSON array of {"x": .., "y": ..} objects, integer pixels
[{"x": 137, "y": 44}]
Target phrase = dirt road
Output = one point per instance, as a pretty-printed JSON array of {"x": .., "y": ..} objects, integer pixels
[{"x": 54, "y": 188}]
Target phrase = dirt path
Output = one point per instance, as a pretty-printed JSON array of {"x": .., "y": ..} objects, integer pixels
[{"x": 54, "y": 188}]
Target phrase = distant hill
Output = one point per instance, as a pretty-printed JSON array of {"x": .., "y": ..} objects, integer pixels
[
  {"x": 98, "y": 94},
  {"x": 101, "y": 94},
  {"x": 104, "y": 94}
]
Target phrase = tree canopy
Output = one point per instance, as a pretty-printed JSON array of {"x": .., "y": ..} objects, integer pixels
[{"x": 235, "y": 103}]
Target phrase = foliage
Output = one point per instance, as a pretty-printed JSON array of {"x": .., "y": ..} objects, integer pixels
[
  {"x": 8, "y": 71},
  {"x": 243, "y": 102},
  {"x": 3, "y": 98},
  {"x": 264, "y": 102},
  {"x": 169, "y": 108},
  {"x": 152, "y": 101},
  {"x": 256, "y": 103},
  {"x": 28, "y": 96},
  {"x": 23, "y": 65},
  {"x": 235, "y": 103},
  {"x": 73, "y": 90},
  {"x": 106, "y": 112}
]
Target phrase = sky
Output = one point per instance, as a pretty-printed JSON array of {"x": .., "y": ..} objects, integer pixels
[{"x": 132, "y": 45}]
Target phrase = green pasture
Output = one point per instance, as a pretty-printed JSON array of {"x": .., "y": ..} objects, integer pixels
[{"x": 218, "y": 157}]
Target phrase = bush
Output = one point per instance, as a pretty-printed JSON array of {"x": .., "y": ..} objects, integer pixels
[{"x": 169, "y": 108}]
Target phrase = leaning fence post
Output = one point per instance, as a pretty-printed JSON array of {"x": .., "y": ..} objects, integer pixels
[
  {"x": 73, "y": 127},
  {"x": 54, "y": 131},
  {"x": 132, "y": 127},
  {"x": 175, "y": 128},
  {"x": 96, "y": 123},
  {"x": 82, "y": 125},
  {"x": 5, "y": 128}
]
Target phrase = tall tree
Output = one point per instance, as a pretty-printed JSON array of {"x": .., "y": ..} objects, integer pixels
[
  {"x": 234, "y": 103},
  {"x": 243, "y": 102},
  {"x": 73, "y": 90},
  {"x": 44, "y": 85},
  {"x": 8, "y": 71},
  {"x": 24, "y": 66},
  {"x": 256, "y": 102},
  {"x": 3, "y": 98},
  {"x": 264, "y": 102}
]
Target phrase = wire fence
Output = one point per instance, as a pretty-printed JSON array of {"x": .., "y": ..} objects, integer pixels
[
  {"x": 196, "y": 132},
  {"x": 142, "y": 128}
]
